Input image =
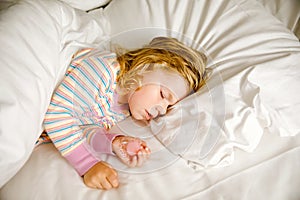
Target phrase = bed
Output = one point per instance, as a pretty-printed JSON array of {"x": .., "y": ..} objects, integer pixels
[{"x": 237, "y": 138}]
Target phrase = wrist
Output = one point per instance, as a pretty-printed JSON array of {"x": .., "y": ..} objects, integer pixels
[
  {"x": 115, "y": 142},
  {"x": 116, "y": 138}
]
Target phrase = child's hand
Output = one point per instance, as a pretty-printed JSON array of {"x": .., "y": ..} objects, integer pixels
[
  {"x": 131, "y": 151},
  {"x": 101, "y": 176}
]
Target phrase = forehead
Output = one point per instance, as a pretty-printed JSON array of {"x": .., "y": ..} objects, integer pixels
[{"x": 168, "y": 79}]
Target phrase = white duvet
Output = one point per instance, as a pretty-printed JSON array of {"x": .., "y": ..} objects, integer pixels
[{"x": 224, "y": 142}]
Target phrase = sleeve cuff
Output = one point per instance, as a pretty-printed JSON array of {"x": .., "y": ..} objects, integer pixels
[
  {"x": 101, "y": 142},
  {"x": 81, "y": 159}
]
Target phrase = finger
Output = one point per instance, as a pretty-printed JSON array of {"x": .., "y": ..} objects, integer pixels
[
  {"x": 123, "y": 156},
  {"x": 97, "y": 184},
  {"x": 113, "y": 180},
  {"x": 100, "y": 186},
  {"x": 140, "y": 158},
  {"x": 147, "y": 150},
  {"x": 100, "y": 183},
  {"x": 133, "y": 162},
  {"x": 146, "y": 154},
  {"x": 106, "y": 184},
  {"x": 91, "y": 183},
  {"x": 143, "y": 143},
  {"x": 126, "y": 159}
]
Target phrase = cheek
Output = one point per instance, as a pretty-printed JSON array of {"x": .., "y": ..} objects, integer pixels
[
  {"x": 144, "y": 97},
  {"x": 135, "y": 99}
]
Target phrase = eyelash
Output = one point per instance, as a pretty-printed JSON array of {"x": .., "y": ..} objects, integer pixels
[{"x": 161, "y": 94}]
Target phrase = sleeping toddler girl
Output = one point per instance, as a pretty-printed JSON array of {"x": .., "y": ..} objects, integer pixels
[{"x": 100, "y": 89}]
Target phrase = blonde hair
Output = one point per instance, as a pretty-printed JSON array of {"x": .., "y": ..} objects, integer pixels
[{"x": 163, "y": 52}]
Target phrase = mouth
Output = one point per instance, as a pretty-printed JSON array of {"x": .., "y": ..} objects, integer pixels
[{"x": 148, "y": 116}]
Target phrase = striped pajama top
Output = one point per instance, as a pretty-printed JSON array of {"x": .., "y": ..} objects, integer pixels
[{"x": 85, "y": 103}]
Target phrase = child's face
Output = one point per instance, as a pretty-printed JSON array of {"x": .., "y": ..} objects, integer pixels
[{"x": 159, "y": 90}]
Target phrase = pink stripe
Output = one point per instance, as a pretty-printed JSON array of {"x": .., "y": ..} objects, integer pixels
[
  {"x": 69, "y": 85},
  {"x": 79, "y": 93},
  {"x": 105, "y": 76},
  {"x": 107, "y": 61},
  {"x": 84, "y": 83},
  {"x": 50, "y": 119},
  {"x": 61, "y": 137},
  {"x": 84, "y": 68},
  {"x": 59, "y": 127},
  {"x": 66, "y": 95},
  {"x": 64, "y": 143},
  {"x": 55, "y": 101}
]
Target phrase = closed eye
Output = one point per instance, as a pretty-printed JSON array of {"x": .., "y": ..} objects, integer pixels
[
  {"x": 166, "y": 94},
  {"x": 162, "y": 94}
]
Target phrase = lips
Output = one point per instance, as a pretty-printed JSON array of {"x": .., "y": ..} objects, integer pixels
[{"x": 148, "y": 116}]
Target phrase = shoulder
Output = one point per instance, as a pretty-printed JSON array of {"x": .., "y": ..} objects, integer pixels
[
  {"x": 95, "y": 65},
  {"x": 95, "y": 57}
]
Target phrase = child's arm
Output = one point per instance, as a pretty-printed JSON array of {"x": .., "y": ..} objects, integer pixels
[
  {"x": 131, "y": 151},
  {"x": 74, "y": 98},
  {"x": 66, "y": 119},
  {"x": 68, "y": 136}
]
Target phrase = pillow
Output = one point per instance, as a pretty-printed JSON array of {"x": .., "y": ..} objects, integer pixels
[
  {"x": 86, "y": 5},
  {"x": 288, "y": 12},
  {"x": 249, "y": 59},
  {"x": 37, "y": 40}
]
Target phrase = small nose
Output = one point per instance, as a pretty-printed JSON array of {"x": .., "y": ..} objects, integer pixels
[{"x": 159, "y": 109}]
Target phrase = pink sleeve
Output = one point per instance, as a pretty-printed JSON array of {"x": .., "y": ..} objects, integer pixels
[
  {"x": 101, "y": 142},
  {"x": 85, "y": 155},
  {"x": 81, "y": 159}
]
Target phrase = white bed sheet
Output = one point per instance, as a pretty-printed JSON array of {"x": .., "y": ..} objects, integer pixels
[
  {"x": 270, "y": 172},
  {"x": 250, "y": 60}
]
